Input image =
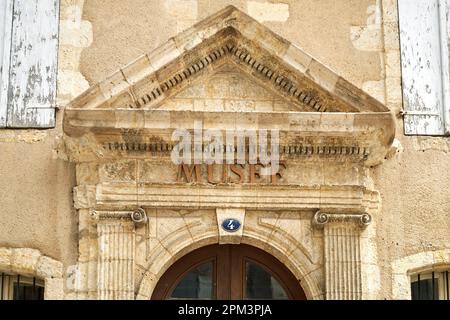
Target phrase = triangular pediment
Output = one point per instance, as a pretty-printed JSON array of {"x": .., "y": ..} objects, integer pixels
[
  {"x": 276, "y": 86},
  {"x": 231, "y": 90},
  {"x": 228, "y": 37}
]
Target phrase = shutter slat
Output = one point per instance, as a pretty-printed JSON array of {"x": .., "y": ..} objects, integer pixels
[
  {"x": 6, "y": 7},
  {"x": 33, "y": 69},
  {"x": 420, "y": 42}
]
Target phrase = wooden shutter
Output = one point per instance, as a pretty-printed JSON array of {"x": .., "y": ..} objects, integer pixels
[
  {"x": 5, "y": 48},
  {"x": 33, "y": 64},
  {"x": 424, "y": 59}
]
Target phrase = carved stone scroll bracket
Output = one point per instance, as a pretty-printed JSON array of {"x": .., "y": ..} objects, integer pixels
[
  {"x": 320, "y": 218},
  {"x": 137, "y": 216}
]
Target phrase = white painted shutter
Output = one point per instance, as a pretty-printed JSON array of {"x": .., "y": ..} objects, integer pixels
[
  {"x": 33, "y": 64},
  {"x": 424, "y": 59},
  {"x": 5, "y": 47}
]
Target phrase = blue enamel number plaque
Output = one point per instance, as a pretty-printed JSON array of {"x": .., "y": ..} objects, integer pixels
[{"x": 231, "y": 225}]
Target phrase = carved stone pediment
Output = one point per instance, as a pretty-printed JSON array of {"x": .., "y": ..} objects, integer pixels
[{"x": 131, "y": 110}]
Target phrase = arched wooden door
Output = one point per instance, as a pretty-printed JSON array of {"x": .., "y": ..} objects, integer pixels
[{"x": 228, "y": 272}]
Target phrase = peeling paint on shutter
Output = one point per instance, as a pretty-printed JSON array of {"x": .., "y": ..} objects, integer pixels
[
  {"x": 33, "y": 68},
  {"x": 444, "y": 11},
  {"x": 5, "y": 47},
  {"x": 423, "y": 59}
]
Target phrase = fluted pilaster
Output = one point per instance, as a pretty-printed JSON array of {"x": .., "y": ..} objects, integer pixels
[
  {"x": 342, "y": 256},
  {"x": 116, "y": 253}
]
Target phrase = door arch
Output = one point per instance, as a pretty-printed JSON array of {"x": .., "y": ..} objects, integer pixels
[{"x": 228, "y": 272}]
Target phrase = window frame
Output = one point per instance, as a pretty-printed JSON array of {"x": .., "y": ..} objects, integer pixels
[
  {"x": 442, "y": 276},
  {"x": 9, "y": 282}
]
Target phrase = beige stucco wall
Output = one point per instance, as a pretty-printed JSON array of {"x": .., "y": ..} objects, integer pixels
[
  {"x": 123, "y": 30},
  {"x": 414, "y": 187},
  {"x": 97, "y": 39},
  {"x": 36, "y": 195}
]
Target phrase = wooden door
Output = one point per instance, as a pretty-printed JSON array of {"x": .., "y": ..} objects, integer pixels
[{"x": 228, "y": 272}]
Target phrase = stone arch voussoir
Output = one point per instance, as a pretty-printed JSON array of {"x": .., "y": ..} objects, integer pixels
[{"x": 305, "y": 272}]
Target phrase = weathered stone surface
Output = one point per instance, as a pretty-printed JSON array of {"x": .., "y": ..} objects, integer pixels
[
  {"x": 49, "y": 268},
  {"x": 84, "y": 196},
  {"x": 264, "y": 11},
  {"x": 54, "y": 289},
  {"x": 75, "y": 34},
  {"x": 25, "y": 260},
  {"x": 184, "y": 12},
  {"x": 5, "y": 259},
  {"x": 376, "y": 89},
  {"x": 30, "y": 262}
]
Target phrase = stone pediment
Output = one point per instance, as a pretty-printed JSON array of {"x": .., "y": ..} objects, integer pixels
[
  {"x": 311, "y": 104},
  {"x": 229, "y": 89}
]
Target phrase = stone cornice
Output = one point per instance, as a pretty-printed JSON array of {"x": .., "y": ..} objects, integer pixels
[
  {"x": 351, "y": 199},
  {"x": 368, "y": 135}
]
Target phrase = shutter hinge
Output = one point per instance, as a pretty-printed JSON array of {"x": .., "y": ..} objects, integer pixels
[{"x": 418, "y": 113}]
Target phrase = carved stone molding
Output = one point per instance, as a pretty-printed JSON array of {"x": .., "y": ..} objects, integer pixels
[
  {"x": 322, "y": 218},
  {"x": 84, "y": 196},
  {"x": 286, "y": 150},
  {"x": 137, "y": 216},
  {"x": 292, "y": 197},
  {"x": 275, "y": 77}
]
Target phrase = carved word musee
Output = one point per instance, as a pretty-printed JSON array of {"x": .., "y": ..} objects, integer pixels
[{"x": 227, "y": 173}]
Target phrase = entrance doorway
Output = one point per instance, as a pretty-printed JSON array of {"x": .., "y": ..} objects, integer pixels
[{"x": 227, "y": 272}]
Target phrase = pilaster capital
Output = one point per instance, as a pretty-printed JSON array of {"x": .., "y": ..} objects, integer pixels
[
  {"x": 321, "y": 218},
  {"x": 137, "y": 216}
]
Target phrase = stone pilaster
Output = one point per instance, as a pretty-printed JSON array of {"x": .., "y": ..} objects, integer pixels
[
  {"x": 116, "y": 253},
  {"x": 342, "y": 254}
]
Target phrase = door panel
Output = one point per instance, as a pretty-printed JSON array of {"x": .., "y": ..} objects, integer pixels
[
  {"x": 198, "y": 283},
  {"x": 228, "y": 272},
  {"x": 261, "y": 284}
]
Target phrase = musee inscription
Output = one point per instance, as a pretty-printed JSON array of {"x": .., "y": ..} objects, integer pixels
[{"x": 228, "y": 173}]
